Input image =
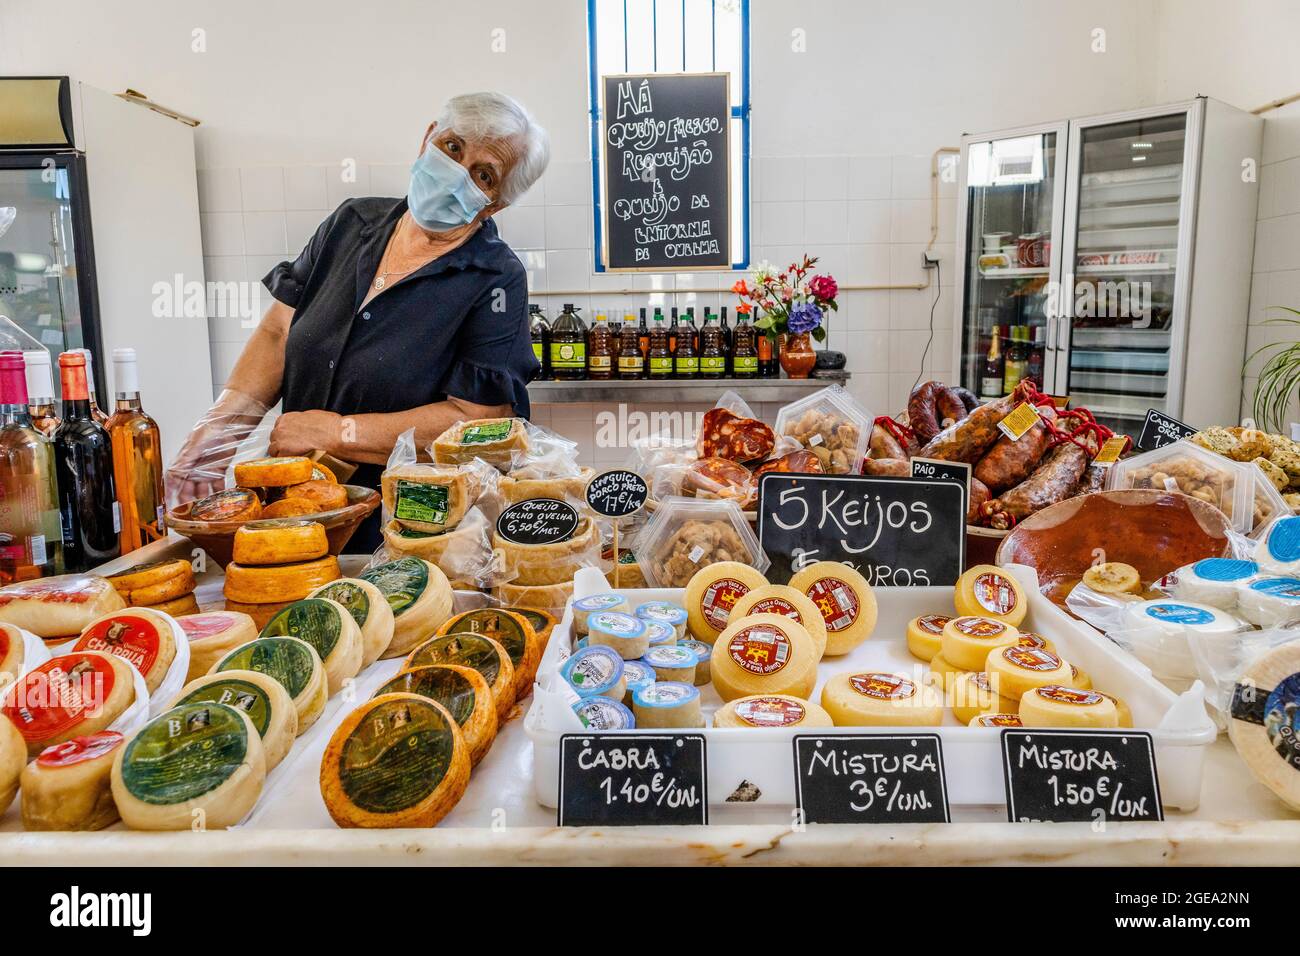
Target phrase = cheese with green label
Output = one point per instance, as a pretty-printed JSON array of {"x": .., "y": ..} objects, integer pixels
[
  {"x": 477, "y": 651},
  {"x": 493, "y": 440},
  {"x": 429, "y": 499},
  {"x": 465, "y": 694},
  {"x": 293, "y": 663},
  {"x": 512, "y": 631},
  {"x": 327, "y": 626},
  {"x": 262, "y": 697},
  {"x": 369, "y": 608},
  {"x": 419, "y": 595}
]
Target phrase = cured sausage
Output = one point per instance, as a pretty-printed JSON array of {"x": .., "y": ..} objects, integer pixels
[
  {"x": 922, "y": 411},
  {"x": 949, "y": 405},
  {"x": 970, "y": 438},
  {"x": 725, "y": 434},
  {"x": 884, "y": 444},
  {"x": 891, "y": 467},
  {"x": 1008, "y": 462},
  {"x": 979, "y": 493},
  {"x": 968, "y": 398},
  {"x": 716, "y": 478},
  {"x": 1094, "y": 479},
  {"x": 1052, "y": 481},
  {"x": 798, "y": 462}
]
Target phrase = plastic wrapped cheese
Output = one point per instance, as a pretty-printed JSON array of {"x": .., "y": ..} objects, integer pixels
[
  {"x": 1157, "y": 631},
  {"x": 1214, "y": 581},
  {"x": 68, "y": 787},
  {"x": 667, "y": 704},
  {"x": 585, "y": 607},
  {"x": 1278, "y": 550},
  {"x": 293, "y": 663},
  {"x": 1270, "y": 602},
  {"x": 1264, "y": 725},
  {"x": 369, "y": 608}
]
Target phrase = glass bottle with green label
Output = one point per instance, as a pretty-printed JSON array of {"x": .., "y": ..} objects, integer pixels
[
  {"x": 661, "y": 360},
  {"x": 713, "y": 352},
  {"x": 540, "y": 331},
  {"x": 568, "y": 345}
]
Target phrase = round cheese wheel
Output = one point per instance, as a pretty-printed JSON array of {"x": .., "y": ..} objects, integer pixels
[
  {"x": 69, "y": 786},
  {"x": 543, "y": 623},
  {"x": 12, "y": 654},
  {"x": 1059, "y": 706},
  {"x": 583, "y": 608},
  {"x": 624, "y": 633},
  {"x": 260, "y": 614},
  {"x": 13, "y": 757},
  {"x": 667, "y": 704},
  {"x": 155, "y": 582},
  {"x": 674, "y": 663},
  {"x": 292, "y": 662},
  {"x": 783, "y": 599},
  {"x": 924, "y": 633},
  {"x": 771, "y": 710},
  {"x": 867, "y": 699},
  {"x": 58, "y": 607},
  {"x": 185, "y": 604},
  {"x": 943, "y": 673},
  {"x": 972, "y": 693},
  {"x": 290, "y": 508},
  {"x": 713, "y": 591},
  {"x": 546, "y": 597},
  {"x": 1079, "y": 678},
  {"x": 1160, "y": 630},
  {"x": 463, "y": 692},
  {"x": 68, "y": 696},
  {"x": 538, "y": 565},
  {"x": 197, "y": 766},
  {"x": 369, "y": 608},
  {"x": 260, "y": 696},
  {"x": 270, "y": 584},
  {"x": 476, "y": 651},
  {"x": 996, "y": 720},
  {"x": 845, "y": 600},
  {"x": 329, "y": 628},
  {"x": 988, "y": 591},
  {"x": 325, "y": 495},
  {"x": 233, "y": 504},
  {"x": 513, "y": 632},
  {"x": 763, "y": 654},
  {"x": 1214, "y": 581},
  {"x": 142, "y": 637},
  {"x": 280, "y": 541},
  {"x": 1032, "y": 639},
  {"x": 1263, "y": 722},
  {"x": 1016, "y": 670},
  {"x": 399, "y": 760},
  {"x": 703, "y": 660},
  {"x": 665, "y": 613},
  {"x": 465, "y": 538},
  {"x": 1270, "y": 602},
  {"x": 214, "y": 635},
  {"x": 420, "y": 597},
  {"x": 967, "y": 641},
  {"x": 272, "y": 472},
  {"x": 1125, "y": 715}
]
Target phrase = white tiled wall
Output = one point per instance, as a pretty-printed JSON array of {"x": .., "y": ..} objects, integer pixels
[
  {"x": 866, "y": 217},
  {"x": 1276, "y": 279}
]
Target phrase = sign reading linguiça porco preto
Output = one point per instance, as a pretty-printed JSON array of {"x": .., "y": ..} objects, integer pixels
[
  {"x": 667, "y": 171},
  {"x": 617, "y": 494}
]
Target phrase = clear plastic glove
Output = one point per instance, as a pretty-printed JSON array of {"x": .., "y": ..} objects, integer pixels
[{"x": 200, "y": 467}]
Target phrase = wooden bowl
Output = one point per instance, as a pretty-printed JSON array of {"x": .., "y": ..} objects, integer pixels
[
  {"x": 1154, "y": 531},
  {"x": 217, "y": 538}
]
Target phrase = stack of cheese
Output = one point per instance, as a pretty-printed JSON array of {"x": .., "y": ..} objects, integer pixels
[
  {"x": 273, "y": 488},
  {"x": 166, "y": 586},
  {"x": 426, "y": 507},
  {"x": 541, "y": 575},
  {"x": 276, "y": 562}
]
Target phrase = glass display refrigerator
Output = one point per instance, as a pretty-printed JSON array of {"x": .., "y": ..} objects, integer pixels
[{"x": 1109, "y": 258}]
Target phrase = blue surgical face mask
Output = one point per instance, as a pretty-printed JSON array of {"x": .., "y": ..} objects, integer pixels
[{"x": 441, "y": 195}]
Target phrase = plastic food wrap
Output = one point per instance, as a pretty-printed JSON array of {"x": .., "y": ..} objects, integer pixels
[
  {"x": 234, "y": 427},
  {"x": 685, "y": 535},
  {"x": 831, "y": 425},
  {"x": 1188, "y": 468}
]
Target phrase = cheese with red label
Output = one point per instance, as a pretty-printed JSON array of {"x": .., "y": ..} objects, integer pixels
[
  {"x": 763, "y": 654},
  {"x": 68, "y": 696},
  {"x": 1060, "y": 706},
  {"x": 60, "y": 606},
  {"x": 924, "y": 633},
  {"x": 771, "y": 711},
  {"x": 794, "y": 604},
  {"x": 967, "y": 641},
  {"x": 69, "y": 786},
  {"x": 988, "y": 591},
  {"x": 713, "y": 591},
  {"x": 213, "y": 635},
  {"x": 141, "y": 637},
  {"x": 13, "y": 756},
  {"x": 13, "y": 651},
  {"x": 869, "y": 699},
  {"x": 974, "y": 693},
  {"x": 845, "y": 600},
  {"x": 1016, "y": 670}
]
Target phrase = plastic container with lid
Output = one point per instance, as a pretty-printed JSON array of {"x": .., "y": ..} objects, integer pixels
[
  {"x": 831, "y": 425},
  {"x": 601, "y": 713},
  {"x": 1268, "y": 501},
  {"x": 637, "y": 674},
  {"x": 1190, "y": 469},
  {"x": 595, "y": 671},
  {"x": 1157, "y": 633},
  {"x": 659, "y": 633},
  {"x": 686, "y": 534}
]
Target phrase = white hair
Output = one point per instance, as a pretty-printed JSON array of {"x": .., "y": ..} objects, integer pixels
[{"x": 495, "y": 116}]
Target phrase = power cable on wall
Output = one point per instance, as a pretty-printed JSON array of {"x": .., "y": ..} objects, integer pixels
[{"x": 938, "y": 291}]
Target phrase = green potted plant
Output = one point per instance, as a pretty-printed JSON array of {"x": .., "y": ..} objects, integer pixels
[{"x": 1279, "y": 378}]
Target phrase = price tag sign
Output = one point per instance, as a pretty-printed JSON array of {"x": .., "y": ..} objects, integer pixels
[
  {"x": 1062, "y": 776},
  {"x": 932, "y": 469},
  {"x": 1160, "y": 429},
  {"x": 617, "y": 494},
  {"x": 538, "y": 521},
  {"x": 1018, "y": 421},
  {"x": 870, "y": 778},
  {"x": 1111, "y": 449},
  {"x": 628, "y": 780}
]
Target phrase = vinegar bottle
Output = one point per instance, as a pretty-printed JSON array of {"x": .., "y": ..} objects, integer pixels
[
  {"x": 137, "y": 459},
  {"x": 30, "y": 539}
]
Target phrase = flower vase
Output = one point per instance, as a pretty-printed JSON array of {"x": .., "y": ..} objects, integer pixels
[{"x": 797, "y": 356}]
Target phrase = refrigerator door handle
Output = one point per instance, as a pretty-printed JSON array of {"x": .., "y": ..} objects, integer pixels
[{"x": 1051, "y": 335}]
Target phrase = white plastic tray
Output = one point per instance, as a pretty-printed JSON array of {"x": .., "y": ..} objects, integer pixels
[{"x": 1179, "y": 725}]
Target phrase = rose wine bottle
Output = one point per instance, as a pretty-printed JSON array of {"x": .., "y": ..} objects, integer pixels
[
  {"x": 40, "y": 393},
  {"x": 137, "y": 458},
  {"x": 30, "y": 543},
  {"x": 88, "y": 508},
  {"x": 96, "y": 412}
]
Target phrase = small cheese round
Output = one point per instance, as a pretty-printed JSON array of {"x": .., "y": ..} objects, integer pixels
[
  {"x": 462, "y": 691},
  {"x": 583, "y": 608},
  {"x": 58, "y": 607},
  {"x": 477, "y": 651},
  {"x": 155, "y": 582},
  {"x": 68, "y": 696},
  {"x": 1125, "y": 715},
  {"x": 988, "y": 591},
  {"x": 942, "y": 673},
  {"x": 967, "y": 641},
  {"x": 185, "y": 604},
  {"x": 664, "y": 612},
  {"x": 845, "y": 600},
  {"x": 713, "y": 591},
  {"x": 1059, "y": 706},
  {"x": 214, "y": 635},
  {"x": 141, "y": 637},
  {"x": 13, "y": 757},
  {"x": 1159, "y": 631},
  {"x": 1079, "y": 679},
  {"x": 544, "y": 596},
  {"x": 292, "y": 662},
  {"x": 465, "y": 538},
  {"x": 673, "y": 663},
  {"x": 1033, "y": 639},
  {"x": 329, "y": 628},
  {"x": 290, "y": 508},
  {"x": 771, "y": 710},
  {"x": 280, "y": 541},
  {"x": 703, "y": 660},
  {"x": 369, "y": 608},
  {"x": 1263, "y": 722},
  {"x": 1016, "y": 670},
  {"x": 595, "y": 671},
  {"x": 868, "y": 699},
  {"x": 636, "y": 674},
  {"x": 260, "y": 696},
  {"x": 420, "y": 596},
  {"x": 601, "y": 713},
  {"x": 973, "y": 693},
  {"x": 542, "y": 622},
  {"x": 512, "y": 631},
  {"x": 1278, "y": 552},
  {"x": 623, "y": 632},
  {"x": 272, "y": 472},
  {"x": 231, "y": 505},
  {"x": 13, "y": 651},
  {"x": 659, "y": 634},
  {"x": 273, "y": 583},
  {"x": 325, "y": 495},
  {"x": 996, "y": 720},
  {"x": 398, "y": 760},
  {"x": 667, "y": 704},
  {"x": 763, "y": 654},
  {"x": 783, "y": 599},
  {"x": 924, "y": 633},
  {"x": 1270, "y": 602},
  {"x": 199, "y": 765},
  {"x": 69, "y": 786},
  {"x": 1214, "y": 581}
]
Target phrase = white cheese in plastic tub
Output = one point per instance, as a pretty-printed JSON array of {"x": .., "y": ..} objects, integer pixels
[
  {"x": 636, "y": 674},
  {"x": 601, "y": 713},
  {"x": 1214, "y": 581},
  {"x": 1178, "y": 723}
]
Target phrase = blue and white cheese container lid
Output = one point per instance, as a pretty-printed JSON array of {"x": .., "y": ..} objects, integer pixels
[
  {"x": 638, "y": 674},
  {"x": 601, "y": 713},
  {"x": 599, "y": 602},
  {"x": 1157, "y": 632},
  {"x": 664, "y": 612},
  {"x": 670, "y": 656},
  {"x": 660, "y": 633},
  {"x": 702, "y": 651},
  {"x": 1214, "y": 581},
  {"x": 615, "y": 624},
  {"x": 593, "y": 670},
  {"x": 666, "y": 694},
  {"x": 1278, "y": 552}
]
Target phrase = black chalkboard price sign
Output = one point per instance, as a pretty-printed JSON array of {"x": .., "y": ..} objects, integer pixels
[
  {"x": 633, "y": 780},
  {"x": 870, "y": 778},
  {"x": 1061, "y": 776},
  {"x": 617, "y": 494},
  {"x": 1160, "y": 429},
  {"x": 538, "y": 521},
  {"x": 667, "y": 167},
  {"x": 904, "y": 532}
]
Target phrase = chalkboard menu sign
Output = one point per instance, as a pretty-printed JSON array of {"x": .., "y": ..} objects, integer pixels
[
  {"x": 1062, "y": 776},
  {"x": 1159, "y": 429},
  {"x": 667, "y": 171},
  {"x": 870, "y": 778},
  {"x": 617, "y": 494},
  {"x": 538, "y": 521},
  {"x": 904, "y": 532},
  {"x": 633, "y": 780}
]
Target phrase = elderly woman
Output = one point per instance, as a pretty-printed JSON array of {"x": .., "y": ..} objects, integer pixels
[{"x": 399, "y": 314}]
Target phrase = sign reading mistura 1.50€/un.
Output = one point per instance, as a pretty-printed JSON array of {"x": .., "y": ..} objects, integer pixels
[{"x": 667, "y": 171}]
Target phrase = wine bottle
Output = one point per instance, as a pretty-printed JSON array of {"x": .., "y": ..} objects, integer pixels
[
  {"x": 30, "y": 539},
  {"x": 40, "y": 392},
  {"x": 96, "y": 412},
  {"x": 137, "y": 458},
  {"x": 83, "y": 458}
]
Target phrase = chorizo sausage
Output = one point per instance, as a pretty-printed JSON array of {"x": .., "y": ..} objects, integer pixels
[
  {"x": 1008, "y": 462},
  {"x": 968, "y": 398},
  {"x": 1052, "y": 481},
  {"x": 968, "y": 439},
  {"x": 922, "y": 413},
  {"x": 884, "y": 444},
  {"x": 979, "y": 493},
  {"x": 891, "y": 467},
  {"x": 716, "y": 478},
  {"x": 950, "y": 407},
  {"x": 725, "y": 434}
]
